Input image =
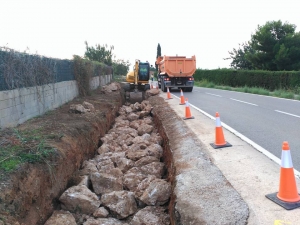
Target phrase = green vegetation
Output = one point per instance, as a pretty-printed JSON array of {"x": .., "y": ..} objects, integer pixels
[
  {"x": 158, "y": 53},
  {"x": 103, "y": 54},
  {"x": 270, "y": 80},
  {"x": 19, "y": 147},
  {"x": 253, "y": 90},
  {"x": 120, "y": 67},
  {"x": 119, "y": 78},
  {"x": 273, "y": 47}
]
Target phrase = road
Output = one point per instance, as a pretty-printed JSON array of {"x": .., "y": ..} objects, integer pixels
[{"x": 265, "y": 120}]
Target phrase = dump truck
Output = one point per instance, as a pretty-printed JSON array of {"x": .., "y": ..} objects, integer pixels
[
  {"x": 137, "y": 82},
  {"x": 176, "y": 72}
]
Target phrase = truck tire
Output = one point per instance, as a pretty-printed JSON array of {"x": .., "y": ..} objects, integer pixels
[
  {"x": 163, "y": 88},
  {"x": 189, "y": 89}
]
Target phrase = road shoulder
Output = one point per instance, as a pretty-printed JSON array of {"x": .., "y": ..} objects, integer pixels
[{"x": 250, "y": 172}]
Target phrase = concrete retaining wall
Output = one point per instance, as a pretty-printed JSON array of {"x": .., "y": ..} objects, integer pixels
[{"x": 19, "y": 105}]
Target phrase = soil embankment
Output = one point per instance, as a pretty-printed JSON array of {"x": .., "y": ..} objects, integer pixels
[{"x": 30, "y": 194}]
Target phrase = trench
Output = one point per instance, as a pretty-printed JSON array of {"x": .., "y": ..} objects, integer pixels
[
  {"x": 167, "y": 175},
  {"x": 33, "y": 194}
]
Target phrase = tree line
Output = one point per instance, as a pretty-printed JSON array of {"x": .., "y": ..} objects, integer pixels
[
  {"x": 104, "y": 54},
  {"x": 274, "y": 46}
]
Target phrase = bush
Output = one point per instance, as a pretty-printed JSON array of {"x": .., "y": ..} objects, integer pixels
[
  {"x": 251, "y": 78},
  {"x": 84, "y": 70}
]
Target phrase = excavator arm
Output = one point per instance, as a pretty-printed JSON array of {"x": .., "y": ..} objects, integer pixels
[{"x": 136, "y": 95}]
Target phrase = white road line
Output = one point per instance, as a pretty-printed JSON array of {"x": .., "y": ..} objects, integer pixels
[
  {"x": 213, "y": 94},
  {"x": 243, "y": 102},
  {"x": 287, "y": 113}
]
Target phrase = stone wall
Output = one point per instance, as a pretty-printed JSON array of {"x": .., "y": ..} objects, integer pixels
[{"x": 19, "y": 105}]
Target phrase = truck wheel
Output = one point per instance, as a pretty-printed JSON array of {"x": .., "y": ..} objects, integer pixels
[
  {"x": 189, "y": 89},
  {"x": 163, "y": 88}
]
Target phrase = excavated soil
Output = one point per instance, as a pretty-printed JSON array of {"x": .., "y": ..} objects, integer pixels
[{"x": 30, "y": 194}]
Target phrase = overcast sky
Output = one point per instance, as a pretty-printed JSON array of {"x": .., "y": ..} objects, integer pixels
[{"x": 207, "y": 29}]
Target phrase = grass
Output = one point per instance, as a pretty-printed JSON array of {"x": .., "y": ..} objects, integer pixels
[
  {"x": 17, "y": 147},
  {"x": 295, "y": 94}
]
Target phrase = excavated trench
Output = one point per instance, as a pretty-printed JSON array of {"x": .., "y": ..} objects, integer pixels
[
  {"x": 90, "y": 168},
  {"x": 120, "y": 164}
]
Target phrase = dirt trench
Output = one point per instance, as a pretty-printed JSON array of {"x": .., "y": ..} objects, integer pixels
[{"x": 30, "y": 195}]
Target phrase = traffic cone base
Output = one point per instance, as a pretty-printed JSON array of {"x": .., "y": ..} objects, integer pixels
[
  {"x": 227, "y": 144},
  {"x": 187, "y": 118},
  {"x": 287, "y": 205},
  {"x": 287, "y": 196}
]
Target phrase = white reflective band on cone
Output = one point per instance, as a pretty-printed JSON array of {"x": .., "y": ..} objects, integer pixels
[
  {"x": 186, "y": 104},
  {"x": 286, "y": 159},
  {"x": 218, "y": 122}
]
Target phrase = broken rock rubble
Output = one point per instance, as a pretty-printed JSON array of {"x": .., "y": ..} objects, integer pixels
[{"x": 123, "y": 183}]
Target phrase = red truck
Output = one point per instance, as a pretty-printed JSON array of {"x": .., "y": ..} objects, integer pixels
[{"x": 176, "y": 72}]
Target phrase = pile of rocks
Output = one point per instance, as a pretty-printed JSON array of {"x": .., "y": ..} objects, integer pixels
[{"x": 123, "y": 184}]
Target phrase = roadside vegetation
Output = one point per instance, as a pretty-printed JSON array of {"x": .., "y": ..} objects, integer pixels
[
  {"x": 119, "y": 78},
  {"x": 28, "y": 146},
  {"x": 289, "y": 94},
  {"x": 267, "y": 64}
]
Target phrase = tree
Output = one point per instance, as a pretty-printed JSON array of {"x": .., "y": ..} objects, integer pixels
[
  {"x": 99, "y": 53},
  {"x": 121, "y": 66},
  {"x": 158, "y": 54},
  {"x": 274, "y": 46},
  {"x": 271, "y": 44},
  {"x": 239, "y": 60}
]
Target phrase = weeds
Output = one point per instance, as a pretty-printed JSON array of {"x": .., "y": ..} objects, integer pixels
[
  {"x": 19, "y": 147},
  {"x": 119, "y": 78}
]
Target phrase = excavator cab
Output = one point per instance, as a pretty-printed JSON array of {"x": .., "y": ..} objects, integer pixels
[{"x": 144, "y": 71}]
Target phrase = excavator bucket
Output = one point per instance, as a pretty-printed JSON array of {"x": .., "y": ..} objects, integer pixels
[{"x": 135, "y": 96}]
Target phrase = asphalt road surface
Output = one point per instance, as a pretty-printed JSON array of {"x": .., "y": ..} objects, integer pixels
[{"x": 267, "y": 121}]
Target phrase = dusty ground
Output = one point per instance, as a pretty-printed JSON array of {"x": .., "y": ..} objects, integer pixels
[{"x": 29, "y": 194}]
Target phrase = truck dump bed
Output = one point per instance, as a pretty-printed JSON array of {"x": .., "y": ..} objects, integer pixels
[{"x": 177, "y": 66}]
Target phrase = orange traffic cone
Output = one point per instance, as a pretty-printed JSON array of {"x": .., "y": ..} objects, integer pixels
[
  {"x": 188, "y": 114},
  {"x": 288, "y": 196},
  {"x": 182, "y": 102},
  {"x": 220, "y": 140},
  {"x": 168, "y": 94}
]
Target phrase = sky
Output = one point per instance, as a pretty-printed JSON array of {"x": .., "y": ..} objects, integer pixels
[{"x": 207, "y": 29}]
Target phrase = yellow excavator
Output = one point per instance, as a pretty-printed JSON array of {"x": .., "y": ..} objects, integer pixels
[{"x": 137, "y": 82}]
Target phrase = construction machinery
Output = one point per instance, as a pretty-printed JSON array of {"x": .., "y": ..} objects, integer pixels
[
  {"x": 137, "y": 82},
  {"x": 176, "y": 72}
]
